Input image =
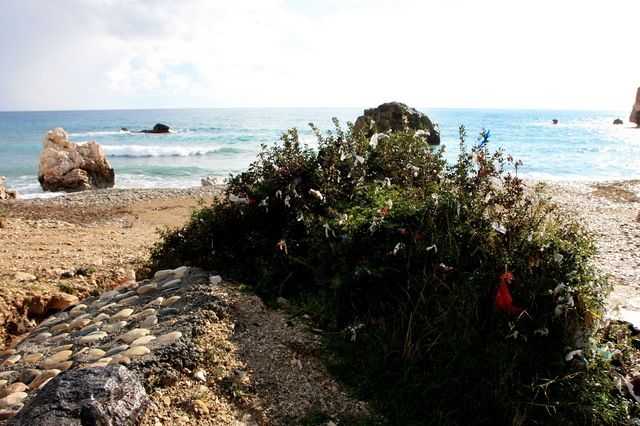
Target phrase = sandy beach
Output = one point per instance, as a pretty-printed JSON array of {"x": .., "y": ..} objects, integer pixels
[{"x": 44, "y": 242}]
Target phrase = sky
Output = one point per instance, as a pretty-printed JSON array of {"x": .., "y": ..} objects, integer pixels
[{"x": 130, "y": 54}]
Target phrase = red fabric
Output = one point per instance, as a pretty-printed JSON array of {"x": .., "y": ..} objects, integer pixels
[{"x": 503, "y": 298}]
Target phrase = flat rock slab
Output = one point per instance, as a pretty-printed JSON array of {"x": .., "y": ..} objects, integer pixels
[{"x": 110, "y": 395}]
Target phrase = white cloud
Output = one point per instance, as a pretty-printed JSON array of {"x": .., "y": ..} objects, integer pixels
[{"x": 74, "y": 54}]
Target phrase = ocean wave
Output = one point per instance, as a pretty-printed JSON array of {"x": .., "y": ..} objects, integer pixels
[{"x": 163, "y": 151}]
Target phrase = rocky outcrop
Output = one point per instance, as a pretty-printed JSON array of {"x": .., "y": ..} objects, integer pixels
[
  {"x": 110, "y": 395},
  {"x": 7, "y": 193},
  {"x": 618, "y": 121},
  {"x": 396, "y": 116},
  {"x": 158, "y": 128},
  {"x": 67, "y": 166},
  {"x": 635, "y": 111}
]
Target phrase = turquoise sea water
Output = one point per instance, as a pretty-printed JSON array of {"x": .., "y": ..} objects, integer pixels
[{"x": 584, "y": 145}]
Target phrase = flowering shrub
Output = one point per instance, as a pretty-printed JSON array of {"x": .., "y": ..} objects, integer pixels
[{"x": 450, "y": 293}]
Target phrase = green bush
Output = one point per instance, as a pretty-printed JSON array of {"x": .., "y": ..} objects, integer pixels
[{"x": 409, "y": 264}]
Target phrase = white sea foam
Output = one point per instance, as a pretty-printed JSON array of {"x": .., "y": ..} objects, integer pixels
[{"x": 155, "y": 151}]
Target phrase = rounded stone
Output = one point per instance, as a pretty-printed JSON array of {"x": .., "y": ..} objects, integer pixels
[
  {"x": 78, "y": 307},
  {"x": 168, "y": 311},
  {"x": 92, "y": 337},
  {"x": 95, "y": 353},
  {"x": 112, "y": 328},
  {"x": 79, "y": 322},
  {"x": 115, "y": 350},
  {"x": 61, "y": 348},
  {"x": 31, "y": 358},
  {"x": 102, "y": 362},
  {"x": 167, "y": 338},
  {"x": 149, "y": 321},
  {"x": 129, "y": 300},
  {"x": 142, "y": 341},
  {"x": 122, "y": 360},
  {"x": 108, "y": 306},
  {"x": 101, "y": 317},
  {"x": 63, "y": 366},
  {"x": 12, "y": 360},
  {"x": 144, "y": 313},
  {"x": 7, "y": 352},
  {"x": 134, "y": 334},
  {"x": 136, "y": 351},
  {"x": 58, "y": 327},
  {"x": 59, "y": 337},
  {"x": 162, "y": 273},
  {"x": 13, "y": 399},
  {"x": 170, "y": 301},
  {"x": 172, "y": 283},
  {"x": 76, "y": 314},
  {"x": 27, "y": 376},
  {"x": 156, "y": 302},
  {"x": 124, "y": 313},
  {"x": 109, "y": 295},
  {"x": 85, "y": 331},
  {"x": 13, "y": 388},
  {"x": 41, "y": 337},
  {"x": 54, "y": 359},
  {"x": 147, "y": 288},
  {"x": 43, "y": 377}
]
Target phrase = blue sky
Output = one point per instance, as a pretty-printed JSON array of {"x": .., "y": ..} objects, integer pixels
[{"x": 120, "y": 54}]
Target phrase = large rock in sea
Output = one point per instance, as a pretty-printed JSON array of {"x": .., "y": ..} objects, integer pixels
[
  {"x": 397, "y": 117},
  {"x": 110, "y": 395},
  {"x": 635, "y": 111},
  {"x": 67, "y": 166}
]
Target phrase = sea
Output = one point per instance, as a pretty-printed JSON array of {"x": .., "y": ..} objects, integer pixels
[{"x": 219, "y": 143}]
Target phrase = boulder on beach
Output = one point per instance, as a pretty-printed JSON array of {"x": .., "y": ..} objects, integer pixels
[
  {"x": 635, "y": 110},
  {"x": 396, "y": 116},
  {"x": 7, "y": 193},
  {"x": 67, "y": 166},
  {"x": 618, "y": 121}
]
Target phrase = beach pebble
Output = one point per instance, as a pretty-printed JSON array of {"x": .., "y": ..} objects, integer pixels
[
  {"x": 109, "y": 295},
  {"x": 85, "y": 331},
  {"x": 7, "y": 352},
  {"x": 95, "y": 353},
  {"x": 122, "y": 360},
  {"x": 63, "y": 366},
  {"x": 41, "y": 337},
  {"x": 113, "y": 328},
  {"x": 169, "y": 337},
  {"x": 43, "y": 377},
  {"x": 27, "y": 376},
  {"x": 141, "y": 341},
  {"x": 136, "y": 351},
  {"x": 134, "y": 334},
  {"x": 61, "y": 348},
  {"x": 129, "y": 300},
  {"x": 199, "y": 407},
  {"x": 115, "y": 350},
  {"x": 58, "y": 327},
  {"x": 215, "y": 279},
  {"x": 101, "y": 317},
  {"x": 12, "y": 400},
  {"x": 123, "y": 314},
  {"x": 102, "y": 362},
  {"x": 13, "y": 388},
  {"x": 92, "y": 337},
  {"x": 54, "y": 359},
  {"x": 168, "y": 311},
  {"x": 79, "y": 322},
  {"x": 156, "y": 302},
  {"x": 31, "y": 358},
  {"x": 12, "y": 359},
  {"x": 147, "y": 288},
  {"x": 162, "y": 273},
  {"x": 78, "y": 307},
  {"x": 170, "y": 301},
  {"x": 59, "y": 337},
  {"x": 149, "y": 321},
  {"x": 144, "y": 313},
  {"x": 76, "y": 314},
  {"x": 107, "y": 306},
  {"x": 172, "y": 283}
]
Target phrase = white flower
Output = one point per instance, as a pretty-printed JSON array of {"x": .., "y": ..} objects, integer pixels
[
  {"x": 571, "y": 354},
  {"x": 316, "y": 193},
  {"x": 357, "y": 159},
  {"x": 398, "y": 247},
  {"x": 501, "y": 229},
  {"x": 433, "y": 247}
]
